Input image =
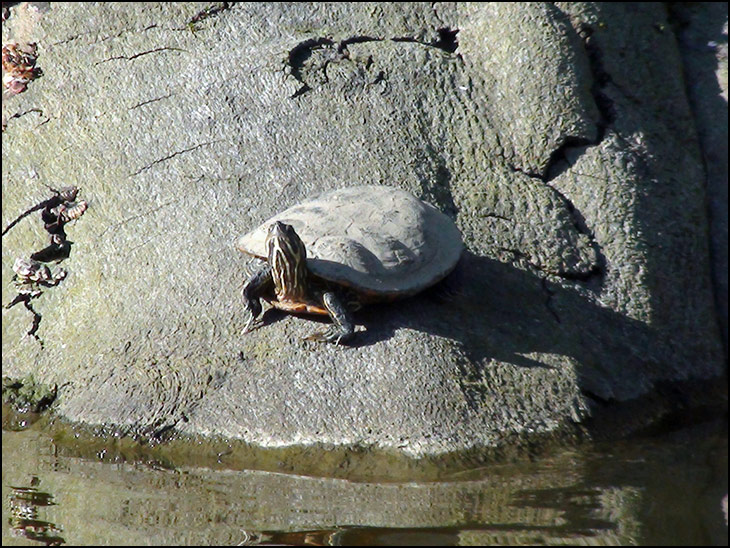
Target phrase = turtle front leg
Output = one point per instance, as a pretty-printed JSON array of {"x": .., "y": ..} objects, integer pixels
[
  {"x": 258, "y": 284},
  {"x": 342, "y": 327}
]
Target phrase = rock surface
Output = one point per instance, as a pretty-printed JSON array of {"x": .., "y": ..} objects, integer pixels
[
  {"x": 559, "y": 138},
  {"x": 702, "y": 37}
]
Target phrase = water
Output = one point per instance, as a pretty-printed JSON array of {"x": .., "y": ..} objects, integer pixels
[{"x": 665, "y": 489}]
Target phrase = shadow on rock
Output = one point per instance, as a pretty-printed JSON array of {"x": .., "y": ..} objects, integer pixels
[{"x": 497, "y": 312}]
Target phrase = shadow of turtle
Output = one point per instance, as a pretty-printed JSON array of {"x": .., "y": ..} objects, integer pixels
[{"x": 496, "y": 312}]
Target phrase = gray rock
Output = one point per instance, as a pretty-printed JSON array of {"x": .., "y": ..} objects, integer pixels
[
  {"x": 702, "y": 39},
  {"x": 558, "y": 137}
]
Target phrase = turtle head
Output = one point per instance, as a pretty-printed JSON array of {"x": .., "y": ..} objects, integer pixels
[{"x": 288, "y": 260}]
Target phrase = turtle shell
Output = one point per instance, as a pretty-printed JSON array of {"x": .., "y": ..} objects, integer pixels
[{"x": 378, "y": 240}]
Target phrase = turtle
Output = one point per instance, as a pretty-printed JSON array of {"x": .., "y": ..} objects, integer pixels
[{"x": 344, "y": 248}]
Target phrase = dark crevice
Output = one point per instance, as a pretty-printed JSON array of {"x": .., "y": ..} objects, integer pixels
[
  {"x": 579, "y": 221},
  {"x": 137, "y": 55},
  {"x": 446, "y": 40},
  {"x": 169, "y": 156},
  {"x": 595, "y": 397},
  {"x": 598, "y": 269},
  {"x": 600, "y": 79},
  {"x": 496, "y": 216},
  {"x": 24, "y": 113},
  {"x": 301, "y": 91},
  {"x": 342, "y": 46},
  {"x": 33, "y": 331},
  {"x": 596, "y": 272},
  {"x": 209, "y": 12},
  {"x": 518, "y": 169},
  {"x": 103, "y": 38},
  {"x": 300, "y": 55},
  {"x": 26, "y": 299},
  {"x": 151, "y": 101},
  {"x": 302, "y": 52},
  {"x": 69, "y": 39},
  {"x": 558, "y": 162}
]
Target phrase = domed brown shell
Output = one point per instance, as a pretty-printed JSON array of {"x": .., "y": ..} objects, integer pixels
[{"x": 378, "y": 240}]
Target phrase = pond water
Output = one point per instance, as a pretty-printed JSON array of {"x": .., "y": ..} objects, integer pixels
[{"x": 667, "y": 489}]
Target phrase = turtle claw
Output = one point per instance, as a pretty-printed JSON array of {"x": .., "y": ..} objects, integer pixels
[
  {"x": 332, "y": 335},
  {"x": 252, "y": 324}
]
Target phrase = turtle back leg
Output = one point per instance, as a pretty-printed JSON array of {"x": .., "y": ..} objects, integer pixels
[
  {"x": 259, "y": 283},
  {"x": 342, "y": 327}
]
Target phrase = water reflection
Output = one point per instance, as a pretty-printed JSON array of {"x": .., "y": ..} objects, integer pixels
[
  {"x": 24, "y": 521},
  {"x": 634, "y": 492}
]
